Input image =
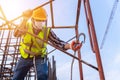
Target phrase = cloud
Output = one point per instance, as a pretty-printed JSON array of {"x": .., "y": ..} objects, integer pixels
[
  {"x": 113, "y": 75},
  {"x": 63, "y": 71},
  {"x": 117, "y": 59},
  {"x": 113, "y": 71}
]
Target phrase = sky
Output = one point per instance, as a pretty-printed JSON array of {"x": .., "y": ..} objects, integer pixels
[{"x": 65, "y": 15}]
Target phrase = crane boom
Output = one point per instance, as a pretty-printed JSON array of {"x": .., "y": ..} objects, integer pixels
[{"x": 109, "y": 22}]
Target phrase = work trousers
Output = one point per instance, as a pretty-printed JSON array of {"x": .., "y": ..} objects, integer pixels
[{"x": 24, "y": 65}]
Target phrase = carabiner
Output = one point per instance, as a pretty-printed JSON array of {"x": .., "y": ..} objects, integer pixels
[{"x": 82, "y": 34}]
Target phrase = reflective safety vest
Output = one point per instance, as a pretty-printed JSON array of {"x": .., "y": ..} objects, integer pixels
[{"x": 30, "y": 45}]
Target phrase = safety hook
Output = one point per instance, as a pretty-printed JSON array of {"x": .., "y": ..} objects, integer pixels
[{"x": 82, "y": 34}]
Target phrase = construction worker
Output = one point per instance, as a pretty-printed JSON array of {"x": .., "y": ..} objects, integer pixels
[{"x": 32, "y": 48}]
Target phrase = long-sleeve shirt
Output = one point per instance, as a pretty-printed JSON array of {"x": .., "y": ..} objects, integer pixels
[{"x": 56, "y": 41}]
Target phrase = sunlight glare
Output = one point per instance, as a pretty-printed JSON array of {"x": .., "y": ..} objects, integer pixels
[{"x": 11, "y": 8}]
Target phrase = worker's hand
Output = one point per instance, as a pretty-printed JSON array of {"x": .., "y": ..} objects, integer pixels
[
  {"x": 27, "y": 13},
  {"x": 75, "y": 45},
  {"x": 19, "y": 31}
]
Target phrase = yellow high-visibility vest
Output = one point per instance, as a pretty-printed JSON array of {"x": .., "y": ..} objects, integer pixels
[{"x": 34, "y": 44}]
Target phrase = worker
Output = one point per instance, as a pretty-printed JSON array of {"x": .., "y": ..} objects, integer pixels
[{"x": 32, "y": 47}]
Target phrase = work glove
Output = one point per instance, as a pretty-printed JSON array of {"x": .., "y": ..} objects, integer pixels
[
  {"x": 75, "y": 45},
  {"x": 27, "y": 13},
  {"x": 19, "y": 31}
]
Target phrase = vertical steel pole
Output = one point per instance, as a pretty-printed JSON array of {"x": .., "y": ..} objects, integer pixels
[
  {"x": 77, "y": 37},
  {"x": 52, "y": 15},
  {"x": 93, "y": 38}
]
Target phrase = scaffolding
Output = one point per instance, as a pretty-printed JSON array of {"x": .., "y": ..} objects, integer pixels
[{"x": 9, "y": 45}]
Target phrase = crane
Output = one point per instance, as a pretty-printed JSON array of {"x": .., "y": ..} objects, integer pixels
[{"x": 109, "y": 22}]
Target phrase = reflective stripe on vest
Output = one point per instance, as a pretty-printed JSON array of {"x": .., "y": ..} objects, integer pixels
[{"x": 38, "y": 47}]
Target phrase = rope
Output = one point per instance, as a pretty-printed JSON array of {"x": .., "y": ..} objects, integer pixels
[
  {"x": 72, "y": 66},
  {"x": 83, "y": 41},
  {"x": 34, "y": 63}
]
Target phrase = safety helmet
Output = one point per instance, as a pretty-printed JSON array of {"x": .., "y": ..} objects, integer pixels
[{"x": 39, "y": 14}]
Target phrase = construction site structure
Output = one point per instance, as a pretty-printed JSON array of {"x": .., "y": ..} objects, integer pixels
[{"x": 9, "y": 45}]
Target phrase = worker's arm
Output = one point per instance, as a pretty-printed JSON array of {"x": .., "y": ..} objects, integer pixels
[
  {"x": 62, "y": 44},
  {"x": 67, "y": 46},
  {"x": 57, "y": 41},
  {"x": 20, "y": 30}
]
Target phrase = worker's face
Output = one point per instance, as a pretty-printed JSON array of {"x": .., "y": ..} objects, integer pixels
[{"x": 39, "y": 24}]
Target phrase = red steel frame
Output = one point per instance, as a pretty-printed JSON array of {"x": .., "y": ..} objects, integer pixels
[{"x": 91, "y": 31}]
